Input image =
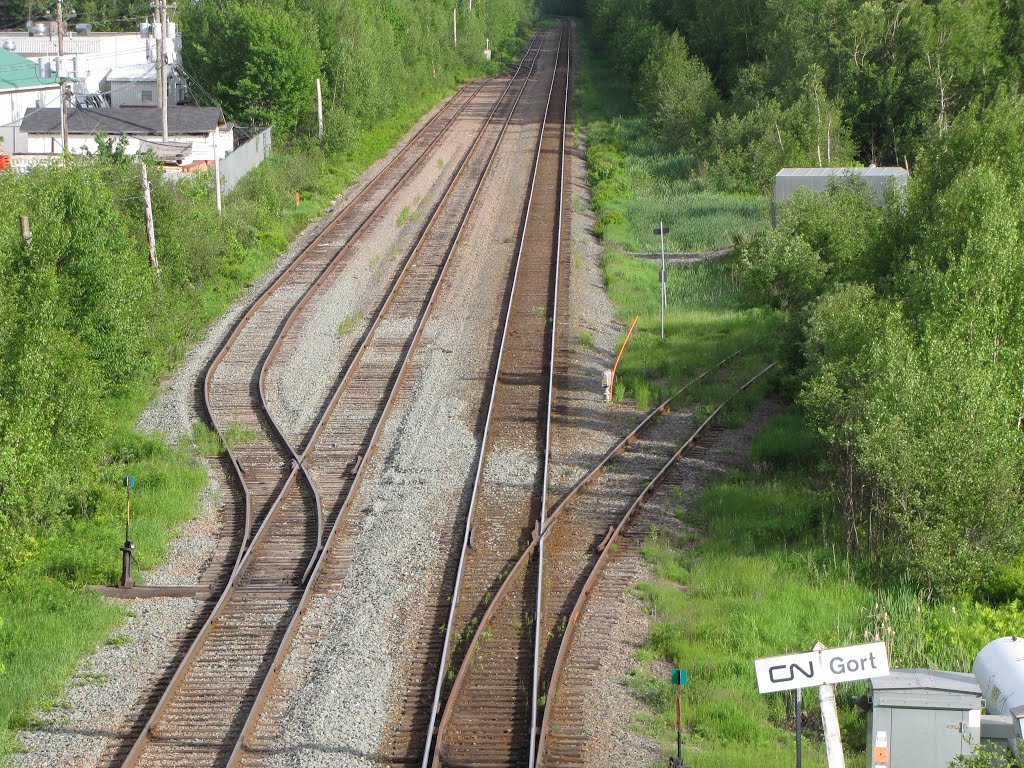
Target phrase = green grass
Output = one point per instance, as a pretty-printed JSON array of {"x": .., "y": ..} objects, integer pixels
[
  {"x": 49, "y": 619},
  {"x": 762, "y": 580},
  {"x": 406, "y": 216},
  {"x": 703, "y": 323},
  {"x": 237, "y": 433},
  {"x": 350, "y": 323}
]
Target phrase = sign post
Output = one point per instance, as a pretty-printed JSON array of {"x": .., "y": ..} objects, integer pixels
[
  {"x": 128, "y": 549},
  {"x": 796, "y": 671},
  {"x": 661, "y": 230},
  {"x": 679, "y": 680},
  {"x": 799, "y": 726}
]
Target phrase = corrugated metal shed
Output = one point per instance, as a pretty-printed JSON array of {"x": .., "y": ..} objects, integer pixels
[
  {"x": 132, "y": 85},
  {"x": 788, "y": 180}
]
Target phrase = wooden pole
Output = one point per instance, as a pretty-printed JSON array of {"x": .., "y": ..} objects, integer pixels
[
  {"x": 830, "y": 722},
  {"x": 160, "y": 24},
  {"x": 61, "y": 77},
  {"x": 150, "y": 231},
  {"x": 26, "y": 232}
]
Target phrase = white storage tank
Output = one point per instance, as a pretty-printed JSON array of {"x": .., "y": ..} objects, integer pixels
[{"x": 999, "y": 670}]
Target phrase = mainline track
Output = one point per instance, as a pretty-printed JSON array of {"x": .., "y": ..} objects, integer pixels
[
  {"x": 486, "y": 717},
  {"x": 213, "y": 697}
]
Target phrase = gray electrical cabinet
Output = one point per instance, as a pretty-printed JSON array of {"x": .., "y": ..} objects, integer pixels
[{"x": 922, "y": 718}]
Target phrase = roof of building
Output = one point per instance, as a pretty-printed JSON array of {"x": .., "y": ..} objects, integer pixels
[
  {"x": 134, "y": 73},
  {"x": 871, "y": 171},
  {"x": 181, "y": 121},
  {"x": 18, "y": 72}
]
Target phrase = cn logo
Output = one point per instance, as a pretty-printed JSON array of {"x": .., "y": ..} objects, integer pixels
[{"x": 783, "y": 673}]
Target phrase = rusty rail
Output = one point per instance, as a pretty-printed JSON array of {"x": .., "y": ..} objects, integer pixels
[{"x": 607, "y": 549}]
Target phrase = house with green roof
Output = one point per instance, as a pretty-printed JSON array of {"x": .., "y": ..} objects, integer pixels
[{"x": 21, "y": 90}]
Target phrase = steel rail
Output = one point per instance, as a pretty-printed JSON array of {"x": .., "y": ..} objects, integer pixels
[
  {"x": 607, "y": 549},
  {"x": 550, "y": 403},
  {"x": 540, "y": 535},
  {"x": 323, "y": 553},
  {"x": 264, "y": 295},
  {"x": 245, "y": 554},
  {"x": 427, "y": 754}
]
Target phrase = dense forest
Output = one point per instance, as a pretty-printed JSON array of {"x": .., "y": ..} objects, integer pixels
[
  {"x": 755, "y": 86},
  {"x": 906, "y": 322}
]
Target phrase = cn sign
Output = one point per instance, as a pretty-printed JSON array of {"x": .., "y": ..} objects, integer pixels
[{"x": 832, "y": 665}]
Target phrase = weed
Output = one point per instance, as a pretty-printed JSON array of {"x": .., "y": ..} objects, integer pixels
[
  {"x": 240, "y": 434},
  {"x": 586, "y": 340},
  {"x": 407, "y": 216},
  {"x": 206, "y": 441},
  {"x": 119, "y": 641},
  {"x": 350, "y": 323}
]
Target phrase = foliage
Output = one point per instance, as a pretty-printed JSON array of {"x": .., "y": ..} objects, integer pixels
[
  {"x": 986, "y": 756},
  {"x": 677, "y": 92},
  {"x": 257, "y": 60},
  {"x": 809, "y": 82},
  {"x": 914, "y": 353},
  {"x": 260, "y": 58}
]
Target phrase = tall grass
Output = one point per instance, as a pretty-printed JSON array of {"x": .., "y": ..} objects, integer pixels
[
  {"x": 764, "y": 581},
  {"x": 703, "y": 323}
]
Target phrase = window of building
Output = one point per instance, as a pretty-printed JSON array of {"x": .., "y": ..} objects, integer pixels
[{"x": 147, "y": 97}]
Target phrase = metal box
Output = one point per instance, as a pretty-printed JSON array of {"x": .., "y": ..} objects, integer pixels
[{"x": 922, "y": 718}]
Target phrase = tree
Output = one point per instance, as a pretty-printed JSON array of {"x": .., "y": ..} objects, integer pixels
[
  {"x": 677, "y": 93},
  {"x": 257, "y": 59}
]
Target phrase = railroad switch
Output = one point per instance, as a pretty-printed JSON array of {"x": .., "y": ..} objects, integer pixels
[
  {"x": 127, "y": 555},
  {"x": 675, "y": 762}
]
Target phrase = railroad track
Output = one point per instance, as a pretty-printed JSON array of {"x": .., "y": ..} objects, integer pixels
[
  {"x": 485, "y": 714},
  {"x": 582, "y": 549},
  {"x": 214, "y": 697}
]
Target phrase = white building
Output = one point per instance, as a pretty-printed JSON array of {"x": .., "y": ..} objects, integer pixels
[
  {"x": 193, "y": 133},
  {"x": 21, "y": 89},
  {"x": 91, "y": 57}
]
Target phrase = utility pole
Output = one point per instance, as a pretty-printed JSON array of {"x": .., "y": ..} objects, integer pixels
[
  {"x": 319, "y": 111},
  {"x": 150, "y": 232},
  {"x": 160, "y": 29},
  {"x": 216, "y": 162},
  {"x": 61, "y": 76}
]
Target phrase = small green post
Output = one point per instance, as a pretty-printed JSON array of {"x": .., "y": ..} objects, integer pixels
[{"x": 679, "y": 680}]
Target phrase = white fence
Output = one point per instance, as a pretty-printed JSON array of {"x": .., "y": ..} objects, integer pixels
[{"x": 246, "y": 157}]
